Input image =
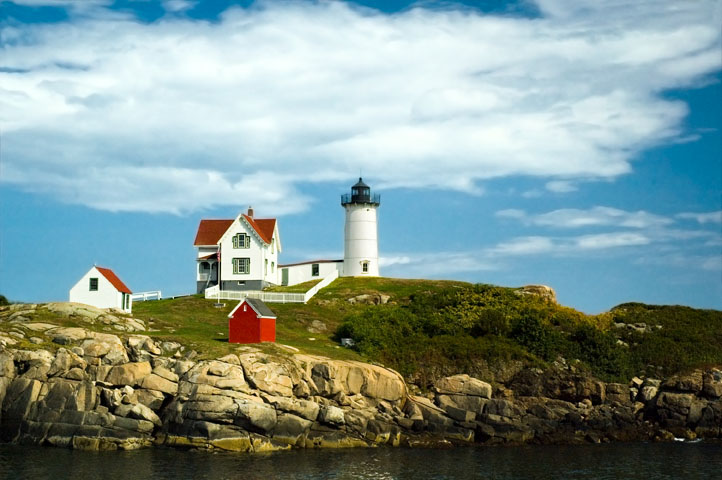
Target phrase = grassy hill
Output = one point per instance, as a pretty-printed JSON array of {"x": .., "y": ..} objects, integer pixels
[
  {"x": 426, "y": 329},
  {"x": 432, "y": 328}
]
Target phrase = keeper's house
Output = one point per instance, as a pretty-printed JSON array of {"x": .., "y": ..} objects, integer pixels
[
  {"x": 241, "y": 252},
  {"x": 102, "y": 288}
]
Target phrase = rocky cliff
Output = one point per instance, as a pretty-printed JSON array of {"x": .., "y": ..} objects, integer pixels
[{"x": 92, "y": 390}]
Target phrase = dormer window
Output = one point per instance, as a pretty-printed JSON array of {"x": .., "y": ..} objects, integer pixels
[{"x": 241, "y": 240}]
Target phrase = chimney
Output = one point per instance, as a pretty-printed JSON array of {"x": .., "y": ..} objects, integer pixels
[{"x": 250, "y": 212}]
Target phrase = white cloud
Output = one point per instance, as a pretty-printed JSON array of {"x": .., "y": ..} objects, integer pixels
[
  {"x": 610, "y": 240},
  {"x": 706, "y": 217},
  {"x": 308, "y": 92},
  {"x": 593, "y": 217},
  {"x": 561, "y": 186},
  {"x": 534, "y": 245},
  {"x": 435, "y": 264},
  {"x": 178, "y": 5}
]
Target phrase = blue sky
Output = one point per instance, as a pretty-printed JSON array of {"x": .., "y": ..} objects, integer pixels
[{"x": 570, "y": 143}]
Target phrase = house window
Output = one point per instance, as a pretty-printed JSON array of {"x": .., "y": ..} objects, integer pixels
[
  {"x": 241, "y": 240},
  {"x": 204, "y": 267},
  {"x": 365, "y": 267},
  {"x": 241, "y": 266},
  {"x": 93, "y": 284},
  {"x": 126, "y": 301},
  {"x": 265, "y": 268},
  {"x": 273, "y": 267},
  {"x": 273, "y": 245},
  {"x": 314, "y": 270}
]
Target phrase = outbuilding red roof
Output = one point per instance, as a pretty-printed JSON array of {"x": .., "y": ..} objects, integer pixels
[
  {"x": 210, "y": 231},
  {"x": 113, "y": 279}
]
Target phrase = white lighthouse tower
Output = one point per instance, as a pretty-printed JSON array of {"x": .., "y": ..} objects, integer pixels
[{"x": 361, "y": 245}]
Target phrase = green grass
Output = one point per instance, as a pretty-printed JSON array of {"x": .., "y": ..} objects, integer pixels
[
  {"x": 434, "y": 327},
  {"x": 196, "y": 323}
]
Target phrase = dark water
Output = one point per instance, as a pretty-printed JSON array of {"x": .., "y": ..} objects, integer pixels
[{"x": 619, "y": 461}]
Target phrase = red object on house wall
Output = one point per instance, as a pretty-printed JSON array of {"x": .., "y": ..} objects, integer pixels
[{"x": 251, "y": 322}]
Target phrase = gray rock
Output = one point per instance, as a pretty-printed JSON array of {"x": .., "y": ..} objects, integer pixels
[
  {"x": 256, "y": 416},
  {"x": 712, "y": 383},
  {"x": 331, "y": 415},
  {"x": 128, "y": 374},
  {"x": 139, "y": 412},
  {"x": 463, "y": 385}
]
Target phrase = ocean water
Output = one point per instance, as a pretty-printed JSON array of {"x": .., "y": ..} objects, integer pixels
[{"x": 610, "y": 461}]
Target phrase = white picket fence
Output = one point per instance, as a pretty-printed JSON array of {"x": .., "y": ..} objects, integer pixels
[
  {"x": 143, "y": 296},
  {"x": 215, "y": 293}
]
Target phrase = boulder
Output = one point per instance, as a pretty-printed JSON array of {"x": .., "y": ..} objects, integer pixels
[
  {"x": 370, "y": 299},
  {"x": 128, "y": 374},
  {"x": 156, "y": 382},
  {"x": 649, "y": 390},
  {"x": 218, "y": 374},
  {"x": 7, "y": 366},
  {"x": 463, "y": 385},
  {"x": 543, "y": 291},
  {"x": 255, "y": 416},
  {"x": 331, "y": 415},
  {"x": 139, "y": 412},
  {"x": 303, "y": 408},
  {"x": 291, "y": 429},
  {"x": 19, "y": 398},
  {"x": 689, "y": 382},
  {"x": 266, "y": 375},
  {"x": 617, "y": 393},
  {"x": 152, "y": 399},
  {"x": 64, "y": 361}
]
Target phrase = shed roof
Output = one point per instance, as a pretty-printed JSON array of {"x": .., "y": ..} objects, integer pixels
[
  {"x": 258, "y": 306},
  {"x": 113, "y": 279}
]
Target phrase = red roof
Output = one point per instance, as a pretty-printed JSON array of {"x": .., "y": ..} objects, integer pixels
[
  {"x": 263, "y": 226},
  {"x": 210, "y": 231},
  {"x": 113, "y": 278}
]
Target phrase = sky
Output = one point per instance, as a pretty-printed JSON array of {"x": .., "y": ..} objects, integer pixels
[{"x": 575, "y": 144}]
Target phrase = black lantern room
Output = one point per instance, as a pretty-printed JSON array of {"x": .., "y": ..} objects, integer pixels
[{"x": 360, "y": 194}]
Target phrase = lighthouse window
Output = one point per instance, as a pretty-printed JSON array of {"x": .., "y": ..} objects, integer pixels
[
  {"x": 365, "y": 267},
  {"x": 314, "y": 270}
]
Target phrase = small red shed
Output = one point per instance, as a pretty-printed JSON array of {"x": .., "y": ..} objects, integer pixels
[{"x": 251, "y": 322}]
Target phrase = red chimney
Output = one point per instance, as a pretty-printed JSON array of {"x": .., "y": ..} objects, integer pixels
[{"x": 250, "y": 212}]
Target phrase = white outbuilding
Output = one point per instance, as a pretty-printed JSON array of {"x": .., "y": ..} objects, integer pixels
[{"x": 102, "y": 288}]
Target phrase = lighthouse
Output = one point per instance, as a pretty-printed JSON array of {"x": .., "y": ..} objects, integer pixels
[{"x": 361, "y": 245}]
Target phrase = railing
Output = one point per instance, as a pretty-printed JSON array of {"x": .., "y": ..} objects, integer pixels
[
  {"x": 215, "y": 293},
  {"x": 143, "y": 296},
  {"x": 212, "y": 291},
  {"x": 203, "y": 277},
  {"x": 328, "y": 279},
  {"x": 347, "y": 198}
]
